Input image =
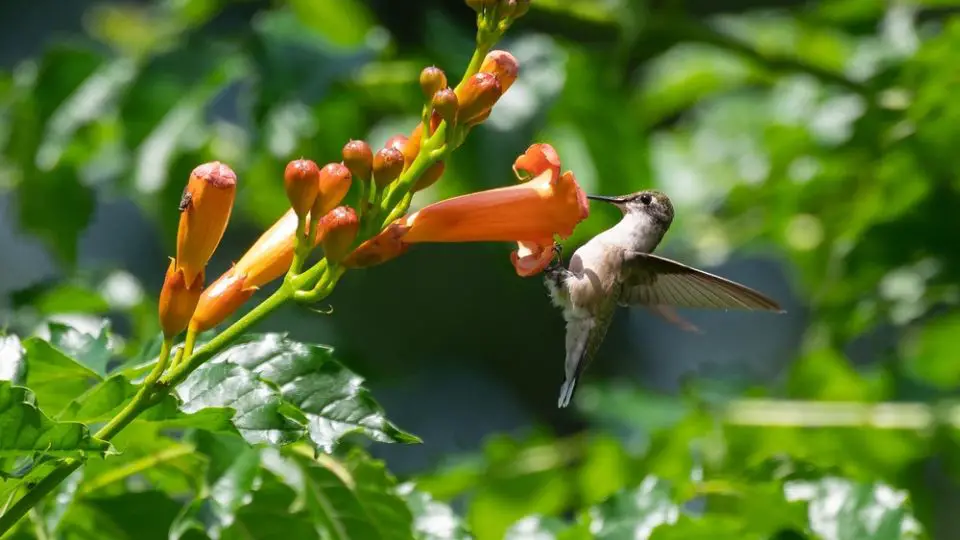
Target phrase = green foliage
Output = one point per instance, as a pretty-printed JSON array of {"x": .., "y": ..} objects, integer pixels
[{"x": 824, "y": 132}]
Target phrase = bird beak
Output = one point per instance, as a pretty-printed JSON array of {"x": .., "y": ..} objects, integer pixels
[{"x": 611, "y": 200}]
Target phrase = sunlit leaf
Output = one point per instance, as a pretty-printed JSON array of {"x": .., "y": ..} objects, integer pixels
[
  {"x": 12, "y": 359},
  {"x": 635, "y": 513},
  {"x": 91, "y": 351},
  {"x": 261, "y": 373},
  {"x": 432, "y": 519},
  {"x": 841, "y": 508},
  {"x": 54, "y": 377},
  {"x": 25, "y": 429}
]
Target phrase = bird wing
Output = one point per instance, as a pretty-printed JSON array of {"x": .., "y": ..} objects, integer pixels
[{"x": 655, "y": 281}]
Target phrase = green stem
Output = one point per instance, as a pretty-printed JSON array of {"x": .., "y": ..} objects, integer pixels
[
  {"x": 136, "y": 405},
  {"x": 33, "y": 497},
  {"x": 189, "y": 343}
]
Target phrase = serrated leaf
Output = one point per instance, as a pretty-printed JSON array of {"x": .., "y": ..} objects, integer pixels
[
  {"x": 24, "y": 429},
  {"x": 55, "y": 378},
  {"x": 12, "y": 359},
  {"x": 840, "y": 509},
  {"x": 91, "y": 351},
  {"x": 257, "y": 404},
  {"x": 634, "y": 513},
  {"x": 432, "y": 520},
  {"x": 330, "y": 396}
]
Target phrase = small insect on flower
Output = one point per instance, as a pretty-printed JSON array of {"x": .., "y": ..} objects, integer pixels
[{"x": 204, "y": 213}]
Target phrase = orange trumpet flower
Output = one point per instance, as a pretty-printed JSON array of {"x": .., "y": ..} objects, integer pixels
[{"x": 530, "y": 213}]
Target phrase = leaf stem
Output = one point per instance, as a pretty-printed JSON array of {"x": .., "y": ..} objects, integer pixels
[{"x": 136, "y": 405}]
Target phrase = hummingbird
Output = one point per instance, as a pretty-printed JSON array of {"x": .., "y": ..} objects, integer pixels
[{"x": 618, "y": 267}]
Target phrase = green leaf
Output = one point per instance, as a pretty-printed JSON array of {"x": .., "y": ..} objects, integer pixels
[
  {"x": 55, "y": 378},
  {"x": 25, "y": 429},
  {"x": 930, "y": 352},
  {"x": 260, "y": 374},
  {"x": 272, "y": 514},
  {"x": 432, "y": 520},
  {"x": 257, "y": 404},
  {"x": 545, "y": 528},
  {"x": 91, "y": 351},
  {"x": 12, "y": 359},
  {"x": 635, "y": 513},
  {"x": 344, "y": 23},
  {"x": 355, "y": 499},
  {"x": 233, "y": 475},
  {"x": 840, "y": 508},
  {"x": 50, "y": 299},
  {"x": 144, "y": 515},
  {"x": 56, "y": 193},
  {"x": 146, "y": 456}
]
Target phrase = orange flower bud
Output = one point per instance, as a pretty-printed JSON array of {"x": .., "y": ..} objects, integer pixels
[
  {"x": 507, "y": 8},
  {"x": 502, "y": 64},
  {"x": 387, "y": 166},
  {"x": 204, "y": 212},
  {"x": 335, "y": 179},
  {"x": 412, "y": 148},
  {"x": 379, "y": 249},
  {"x": 220, "y": 300},
  {"x": 477, "y": 98},
  {"x": 358, "y": 157},
  {"x": 340, "y": 228},
  {"x": 432, "y": 79},
  {"x": 177, "y": 300},
  {"x": 429, "y": 177},
  {"x": 446, "y": 104},
  {"x": 398, "y": 142},
  {"x": 272, "y": 254},
  {"x": 300, "y": 180}
]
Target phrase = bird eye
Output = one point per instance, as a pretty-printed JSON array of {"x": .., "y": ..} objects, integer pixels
[{"x": 646, "y": 198}]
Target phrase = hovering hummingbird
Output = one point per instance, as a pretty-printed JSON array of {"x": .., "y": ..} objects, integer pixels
[{"x": 617, "y": 267}]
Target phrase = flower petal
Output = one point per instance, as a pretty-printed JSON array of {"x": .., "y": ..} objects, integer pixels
[
  {"x": 540, "y": 208},
  {"x": 537, "y": 159},
  {"x": 531, "y": 257}
]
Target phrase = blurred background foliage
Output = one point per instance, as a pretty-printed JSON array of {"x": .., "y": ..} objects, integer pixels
[{"x": 810, "y": 148}]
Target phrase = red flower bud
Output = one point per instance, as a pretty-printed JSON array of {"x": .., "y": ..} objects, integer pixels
[
  {"x": 477, "y": 97},
  {"x": 178, "y": 300},
  {"x": 502, "y": 64},
  {"x": 340, "y": 228},
  {"x": 333, "y": 184},
  {"x": 204, "y": 212},
  {"x": 429, "y": 177},
  {"x": 445, "y": 104},
  {"x": 387, "y": 166},
  {"x": 358, "y": 157},
  {"x": 432, "y": 79},
  {"x": 220, "y": 300},
  {"x": 300, "y": 180}
]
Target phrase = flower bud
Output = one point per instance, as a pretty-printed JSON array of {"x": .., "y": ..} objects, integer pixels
[
  {"x": 398, "y": 142},
  {"x": 432, "y": 79},
  {"x": 379, "y": 249},
  {"x": 204, "y": 212},
  {"x": 272, "y": 254},
  {"x": 445, "y": 104},
  {"x": 504, "y": 65},
  {"x": 340, "y": 228},
  {"x": 220, "y": 300},
  {"x": 477, "y": 98},
  {"x": 412, "y": 148},
  {"x": 429, "y": 177},
  {"x": 387, "y": 166},
  {"x": 358, "y": 157},
  {"x": 507, "y": 8},
  {"x": 177, "y": 300},
  {"x": 334, "y": 183},
  {"x": 300, "y": 180}
]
